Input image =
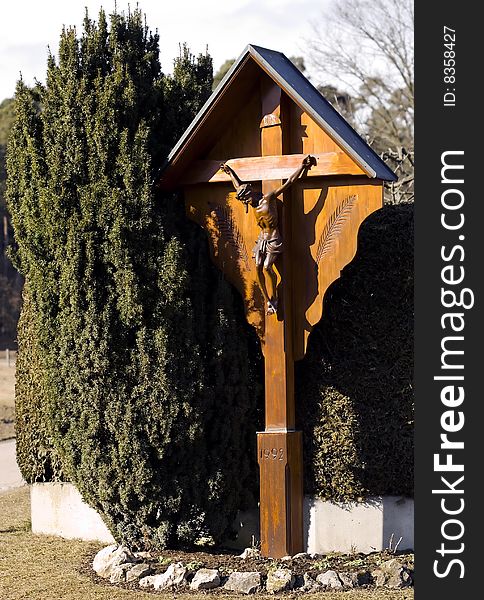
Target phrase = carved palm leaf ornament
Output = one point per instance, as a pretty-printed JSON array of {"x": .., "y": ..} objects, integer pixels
[
  {"x": 334, "y": 227},
  {"x": 228, "y": 232},
  {"x": 262, "y": 121}
]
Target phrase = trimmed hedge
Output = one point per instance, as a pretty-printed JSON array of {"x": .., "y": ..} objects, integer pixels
[
  {"x": 134, "y": 377},
  {"x": 354, "y": 387},
  {"x": 36, "y": 452}
]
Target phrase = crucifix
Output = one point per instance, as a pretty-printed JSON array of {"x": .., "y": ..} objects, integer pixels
[
  {"x": 266, "y": 139},
  {"x": 269, "y": 244}
]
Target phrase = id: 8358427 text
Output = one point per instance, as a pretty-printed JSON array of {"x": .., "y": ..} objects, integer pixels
[{"x": 449, "y": 62}]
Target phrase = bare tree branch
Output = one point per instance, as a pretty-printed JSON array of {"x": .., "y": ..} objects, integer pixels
[{"x": 366, "y": 47}]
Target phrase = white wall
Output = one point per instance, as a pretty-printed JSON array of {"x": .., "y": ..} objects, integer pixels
[
  {"x": 58, "y": 509},
  {"x": 360, "y": 527}
]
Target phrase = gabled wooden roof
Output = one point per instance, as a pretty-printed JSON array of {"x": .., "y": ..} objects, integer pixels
[{"x": 231, "y": 94}]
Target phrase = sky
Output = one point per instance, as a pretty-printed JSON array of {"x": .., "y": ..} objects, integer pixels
[{"x": 29, "y": 27}]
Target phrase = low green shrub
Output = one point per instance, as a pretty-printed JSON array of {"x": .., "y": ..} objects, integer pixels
[{"x": 354, "y": 387}]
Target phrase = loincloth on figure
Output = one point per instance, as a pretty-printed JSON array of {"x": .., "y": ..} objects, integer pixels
[{"x": 267, "y": 248}]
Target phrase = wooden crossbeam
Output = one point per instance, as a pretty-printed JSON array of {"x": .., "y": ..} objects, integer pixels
[{"x": 269, "y": 168}]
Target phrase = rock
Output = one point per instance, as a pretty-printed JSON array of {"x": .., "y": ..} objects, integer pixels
[
  {"x": 286, "y": 558},
  {"x": 118, "y": 574},
  {"x": 174, "y": 576},
  {"x": 250, "y": 553},
  {"x": 315, "y": 555},
  {"x": 158, "y": 581},
  {"x": 205, "y": 579},
  {"x": 138, "y": 571},
  {"x": 143, "y": 555},
  {"x": 329, "y": 579},
  {"x": 352, "y": 580},
  {"x": 304, "y": 555},
  {"x": 244, "y": 583},
  {"x": 407, "y": 576},
  {"x": 349, "y": 580},
  {"x": 107, "y": 559},
  {"x": 102, "y": 558},
  {"x": 393, "y": 574},
  {"x": 280, "y": 580},
  {"x": 147, "y": 581},
  {"x": 309, "y": 584}
]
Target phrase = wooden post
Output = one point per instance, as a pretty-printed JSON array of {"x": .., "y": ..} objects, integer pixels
[{"x": 280, "y": 445}]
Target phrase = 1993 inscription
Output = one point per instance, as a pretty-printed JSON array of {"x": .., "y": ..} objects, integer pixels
[{"x": 271, "y": 454}]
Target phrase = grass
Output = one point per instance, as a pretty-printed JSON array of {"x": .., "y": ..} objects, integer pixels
[
  {"x": 7, "y": 400},
  {"x": 36, "y": 567}
]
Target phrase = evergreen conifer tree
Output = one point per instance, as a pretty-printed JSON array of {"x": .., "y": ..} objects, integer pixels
[{"x": 134, "y": 376}]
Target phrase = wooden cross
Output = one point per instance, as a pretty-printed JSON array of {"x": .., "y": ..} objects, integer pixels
[
  {"x": 279, "y": 447},
  {"x": 263, "y": 136}
]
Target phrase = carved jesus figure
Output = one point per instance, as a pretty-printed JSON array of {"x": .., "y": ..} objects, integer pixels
[{"x": 269, "y": 243}]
